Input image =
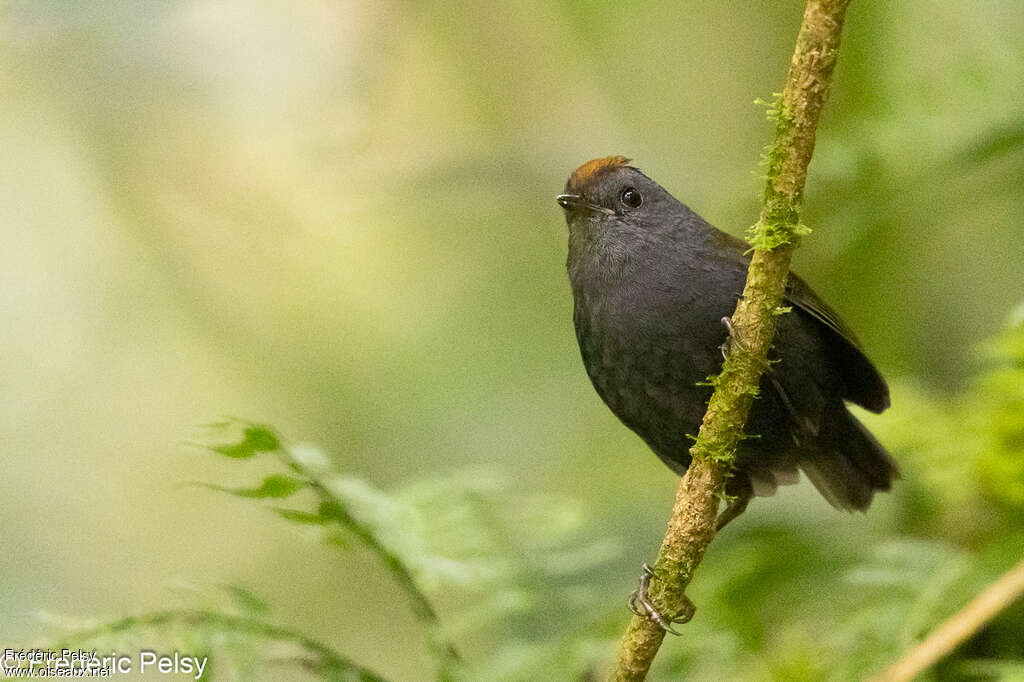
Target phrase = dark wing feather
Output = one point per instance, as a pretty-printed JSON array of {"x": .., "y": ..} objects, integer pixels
[
  {"x": 864, "y": 385},
  {"x": 801, "y": 295}
]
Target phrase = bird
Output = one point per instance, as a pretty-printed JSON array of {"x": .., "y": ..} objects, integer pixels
[{"x": 652, "y": 283}]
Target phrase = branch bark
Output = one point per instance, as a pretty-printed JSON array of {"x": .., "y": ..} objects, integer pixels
[
  {"x": 774, "y": 237},
  {"x": 958, "y": 628}
]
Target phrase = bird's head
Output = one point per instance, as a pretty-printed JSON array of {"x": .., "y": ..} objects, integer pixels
[{"x": 607, "y": 197}]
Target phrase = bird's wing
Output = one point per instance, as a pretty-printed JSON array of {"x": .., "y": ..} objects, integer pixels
[
  {"x": 864, "y": 385},
  {"x": 801, "y": 295}
]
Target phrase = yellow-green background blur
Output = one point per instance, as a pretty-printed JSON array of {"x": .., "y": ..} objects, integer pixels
[{"x": 339, "y": 218}]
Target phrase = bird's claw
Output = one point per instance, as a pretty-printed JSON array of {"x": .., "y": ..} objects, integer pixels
[
  {"x": 734, "y": 335},
  {"x": 641, "y": 606}
]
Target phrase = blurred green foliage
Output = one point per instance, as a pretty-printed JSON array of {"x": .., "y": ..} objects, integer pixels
[{"x": 338, "y": 217}]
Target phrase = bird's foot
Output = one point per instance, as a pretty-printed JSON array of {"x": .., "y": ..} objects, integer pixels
[
  {"x": 641, "y": 605},
  {"x": 734, "y": 336},
  {"x": 739, "y": 493},
  {"x": 734, "y": 508}
]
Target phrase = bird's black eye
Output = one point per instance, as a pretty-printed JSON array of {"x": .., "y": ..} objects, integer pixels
[{"x": 631, "y": 197}]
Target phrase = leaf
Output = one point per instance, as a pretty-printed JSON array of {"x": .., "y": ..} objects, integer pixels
[
  {"x": 331, "y": 510},
  {"x": 245, "y": 599},
  {"x": 276, "y": 485},
  {"x": 262, "y": 438},
  {"x": 255, "y": 439},
  {"x": 300, "y": 516}
]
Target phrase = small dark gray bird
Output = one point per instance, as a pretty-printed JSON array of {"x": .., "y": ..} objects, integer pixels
[{"x": 651, "y": 282}]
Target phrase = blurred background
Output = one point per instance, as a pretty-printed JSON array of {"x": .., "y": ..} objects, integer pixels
[{"x": 338, "y": 218}]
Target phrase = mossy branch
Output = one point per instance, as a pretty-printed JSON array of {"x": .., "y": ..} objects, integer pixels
[{"x": 773, "y": 239}]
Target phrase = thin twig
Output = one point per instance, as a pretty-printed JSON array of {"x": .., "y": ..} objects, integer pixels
[
  {"x": 693, "y": 517},
  {"x": 958, "y": 627}
]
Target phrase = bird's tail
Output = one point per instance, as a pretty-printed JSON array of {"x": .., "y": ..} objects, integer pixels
[{"x": 850, "y": 464}]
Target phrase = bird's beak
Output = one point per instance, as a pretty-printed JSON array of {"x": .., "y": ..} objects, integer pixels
[{"x": 574, "y": 202}]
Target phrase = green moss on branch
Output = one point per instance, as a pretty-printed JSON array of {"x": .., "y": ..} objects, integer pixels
[{"x": 773, "y": 237}]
